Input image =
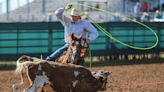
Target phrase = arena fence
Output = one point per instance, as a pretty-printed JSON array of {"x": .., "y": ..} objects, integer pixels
[{"x": 42, "y": 38}]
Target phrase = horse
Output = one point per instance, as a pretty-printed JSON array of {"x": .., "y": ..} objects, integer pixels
[{"x": 75, "y": 52}]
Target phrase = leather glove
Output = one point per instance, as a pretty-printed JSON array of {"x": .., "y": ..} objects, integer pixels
[{"x": 68, "y": 7}]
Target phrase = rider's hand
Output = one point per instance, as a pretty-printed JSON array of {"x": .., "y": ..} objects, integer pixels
[{"x": 68, "y": 7}]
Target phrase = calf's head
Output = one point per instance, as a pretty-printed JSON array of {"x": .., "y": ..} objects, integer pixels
[{"x": 102, "y": 77}]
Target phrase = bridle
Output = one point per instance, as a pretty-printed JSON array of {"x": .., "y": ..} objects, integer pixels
[
  {"x": 81, "y": 44},
  {"x": 84, "y": 48}
]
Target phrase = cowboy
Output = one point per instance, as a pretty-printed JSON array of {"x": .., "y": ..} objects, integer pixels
[{"x": 75, "y": 25}]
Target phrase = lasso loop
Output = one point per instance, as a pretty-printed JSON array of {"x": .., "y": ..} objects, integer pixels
[{"x": 110, "y": 35}]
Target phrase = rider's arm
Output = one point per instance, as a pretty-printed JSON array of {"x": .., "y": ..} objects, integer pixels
[
  {"x": 93, "y": 33},
  {"x": 60, "y": 16}
]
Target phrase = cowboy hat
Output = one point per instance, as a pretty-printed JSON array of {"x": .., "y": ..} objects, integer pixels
[
  {"x": 75, "y": 12},
  {"x": 85, "y": 15}
]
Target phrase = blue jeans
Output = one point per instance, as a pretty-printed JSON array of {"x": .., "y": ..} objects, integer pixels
[{"x": 57, "y": 53}]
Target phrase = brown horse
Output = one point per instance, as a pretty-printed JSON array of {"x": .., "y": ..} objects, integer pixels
[{"x": 76, "y": 51}]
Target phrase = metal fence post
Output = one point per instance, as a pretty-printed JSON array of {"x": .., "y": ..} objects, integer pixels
[{"x": 7, "y": 9}]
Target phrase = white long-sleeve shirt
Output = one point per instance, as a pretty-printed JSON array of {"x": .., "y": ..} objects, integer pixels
[{"x": 78, "y": 28}]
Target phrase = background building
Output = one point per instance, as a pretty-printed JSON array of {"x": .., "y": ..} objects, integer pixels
[{"x": 39, "y": 10}]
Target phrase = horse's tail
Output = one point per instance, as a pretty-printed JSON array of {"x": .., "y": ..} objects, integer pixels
[{"x": 21, "y": 63}]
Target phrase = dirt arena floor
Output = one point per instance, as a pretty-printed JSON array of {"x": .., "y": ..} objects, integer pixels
[{"x": 124, "y": 78}]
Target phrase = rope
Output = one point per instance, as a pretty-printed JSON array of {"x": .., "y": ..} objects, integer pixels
[{"x": 110, "y": 35}]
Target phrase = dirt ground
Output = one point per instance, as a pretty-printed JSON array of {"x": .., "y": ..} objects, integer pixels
[{"x": 124, "y": 78}]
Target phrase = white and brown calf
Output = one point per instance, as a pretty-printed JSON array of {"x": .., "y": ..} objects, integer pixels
[{"x": 43, "y": 76}]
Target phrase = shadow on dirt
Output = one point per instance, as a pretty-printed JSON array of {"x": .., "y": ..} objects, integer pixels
[{"x": 7, "y": 67}]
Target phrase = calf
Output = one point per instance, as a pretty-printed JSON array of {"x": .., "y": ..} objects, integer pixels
[{"x": 41, "y": 76}]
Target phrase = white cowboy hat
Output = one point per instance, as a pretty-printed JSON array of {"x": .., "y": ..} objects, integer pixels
[
  {"x": 75, "y": 12},
  {"x": 85, "y": 15}
]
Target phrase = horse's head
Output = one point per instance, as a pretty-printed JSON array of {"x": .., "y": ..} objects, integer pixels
[{"x": 76, "y": 48}]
